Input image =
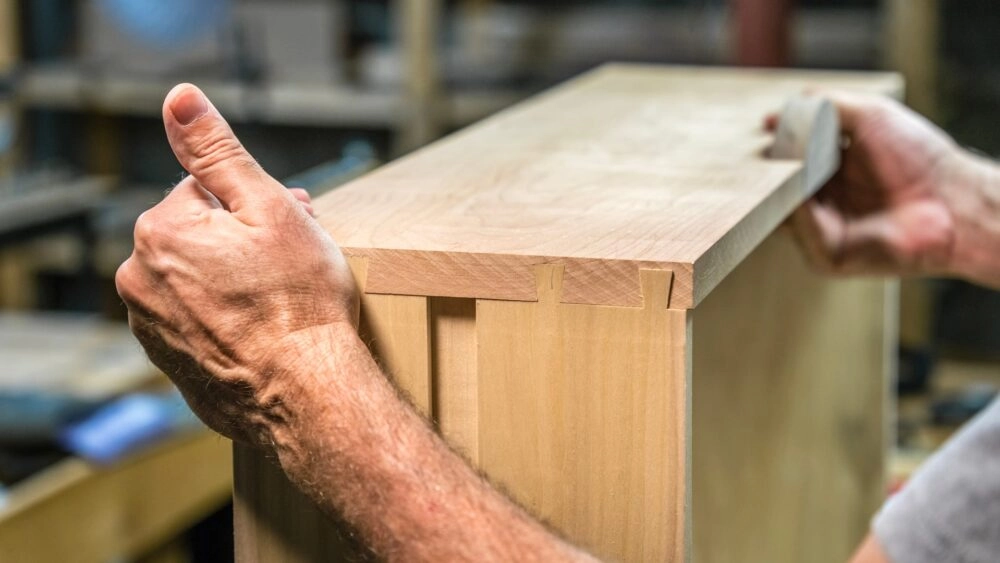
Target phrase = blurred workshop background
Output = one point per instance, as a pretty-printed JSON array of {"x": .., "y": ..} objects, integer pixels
[{"x": 92, "y": 441}]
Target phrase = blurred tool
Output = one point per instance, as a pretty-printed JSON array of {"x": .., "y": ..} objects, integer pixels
[
  {"x": 126, "y": 424},
  {"x": 357, "y": 157},
  {"x": 69, "y": 384}
]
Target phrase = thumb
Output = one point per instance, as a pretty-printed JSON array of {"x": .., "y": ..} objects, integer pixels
[{"x": 207, "y": 148}]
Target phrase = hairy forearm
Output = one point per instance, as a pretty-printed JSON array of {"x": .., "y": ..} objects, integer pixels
[
  {"x": 346, "y": 438},
  {"x": 973, "y": 192}
]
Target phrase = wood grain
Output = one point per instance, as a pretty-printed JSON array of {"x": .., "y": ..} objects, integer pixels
[
  {"x": 395, "y": 328},
  {"x": 789, "y": 422},
  {"x": 273, "y": 520},
  {"x": 653, "y": 167},
  {"x": 584, "y": 225},
  {"x": 455, "y": 377},
  {"x": 582, "y": 416}
]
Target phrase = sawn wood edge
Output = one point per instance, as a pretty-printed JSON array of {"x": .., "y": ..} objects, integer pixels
[{"x": 509, "y": 277}]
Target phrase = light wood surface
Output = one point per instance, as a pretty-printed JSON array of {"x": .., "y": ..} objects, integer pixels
[
  {"x": 554, "y": 256},
  {"x": 455, "y": 382},
  {"x": 76, "y": 512},
  {"x": 567, "y": 394},
  {"x": 395, "y": 329},
  {"x": 624, "y": 168},
  {"x": 273, "y": 521},
  {"x": 790, "y": 416}
]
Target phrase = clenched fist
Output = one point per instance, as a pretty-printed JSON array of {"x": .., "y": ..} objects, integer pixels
[{"x": 231, "y": 278}]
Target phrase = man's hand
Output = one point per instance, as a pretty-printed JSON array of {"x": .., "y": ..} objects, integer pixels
[
  {"x": 904, "y": 201},
  {"x": 240, "y": 297},
  {"x": 230, "y": 277}
]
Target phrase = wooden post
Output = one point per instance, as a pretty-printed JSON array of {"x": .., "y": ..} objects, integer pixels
[
  {"x": 9, "y": 36},
  {"x": 912, "y": 41},
  {"x": 911, "y": 47},
  {"x": 763, "y": 32},
  {"x": 418, "y": 22}
]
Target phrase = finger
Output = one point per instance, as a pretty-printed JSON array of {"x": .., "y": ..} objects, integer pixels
[
  {"x": 819, "y": 230},
  {"x": 170, "y": 217},
  {"x": 207, "y": 148},
  {"x": 300, "y": 194},
  {"x": 303, "y": 197},
  {"x": 911, "y": 239}
]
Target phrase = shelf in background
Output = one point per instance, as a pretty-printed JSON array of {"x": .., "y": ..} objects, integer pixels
[{"x": 71, "y": 87}]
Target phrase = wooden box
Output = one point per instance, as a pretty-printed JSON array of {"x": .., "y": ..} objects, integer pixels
[{"x": 590, "y": 295}]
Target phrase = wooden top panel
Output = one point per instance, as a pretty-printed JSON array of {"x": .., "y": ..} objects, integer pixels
[{"x": 625, "y": 168}]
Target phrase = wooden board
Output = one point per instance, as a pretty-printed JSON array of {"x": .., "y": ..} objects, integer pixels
[
  {"x": 273, "y": 521},
  {"x": 533, "y": 277},
  {"x": 76, "y": 512},
  {"x": 454, "y": 349},
  {"x": 627, "y": 167},
  {"x": 790, "y": 423},
  {"x": 583, "y": 417}
]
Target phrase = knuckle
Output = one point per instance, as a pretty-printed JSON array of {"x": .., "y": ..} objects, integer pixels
[
  {"x": 146, "y": 230},
  {"x": 218, "y": 150},
  {"x": 124, "y": 279}
]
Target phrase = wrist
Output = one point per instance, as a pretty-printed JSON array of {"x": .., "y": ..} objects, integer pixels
[
  {"x": 972, "y": 190},
  {"x": 309, "y": 374}
]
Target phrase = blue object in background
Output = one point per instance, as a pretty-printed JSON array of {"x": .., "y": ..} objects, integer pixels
[
  {"x": 36, "y": 417},
  {"x": 126, "y": 424},
  {"x": 166, "y": 25}
]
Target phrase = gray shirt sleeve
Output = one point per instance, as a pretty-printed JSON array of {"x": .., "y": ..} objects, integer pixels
[{"x": 950, "y": 508}]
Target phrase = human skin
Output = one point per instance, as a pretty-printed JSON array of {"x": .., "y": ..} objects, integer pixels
[
  {"x": 240, "y": 297},
  {"x": 905, "y": 201}
]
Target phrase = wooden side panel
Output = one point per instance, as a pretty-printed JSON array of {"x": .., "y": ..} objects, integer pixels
[
  {"x": 272, "y": 520},
  {"x": 582, "y": 416},
  {"x": 454, "y": 376},
  {"x": 395, "y": 327},
  {"x": 789, "y": 395}
]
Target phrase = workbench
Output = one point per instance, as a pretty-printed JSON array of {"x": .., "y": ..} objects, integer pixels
[
  {"x": 75, "y": 511},
  {"x": 590, "y": 296},
  {"x": 88, "y": 513}
]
